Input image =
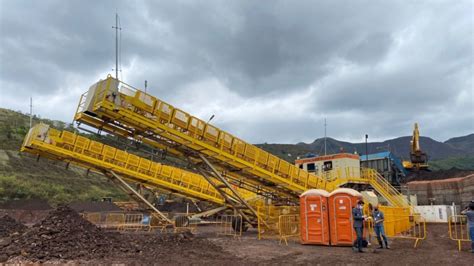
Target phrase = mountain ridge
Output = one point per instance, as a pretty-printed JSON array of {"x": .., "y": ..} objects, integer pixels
[{"x": 400, "y": 146}]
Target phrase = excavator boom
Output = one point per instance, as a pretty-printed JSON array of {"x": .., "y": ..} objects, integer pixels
[{"x": 418, "y": 158}]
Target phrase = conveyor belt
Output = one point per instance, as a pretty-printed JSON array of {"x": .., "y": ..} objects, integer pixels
[
  {"x": 120, "y": 109},
  {"x": 69, "y": 147},
  {"x": 117, "y": 107}
]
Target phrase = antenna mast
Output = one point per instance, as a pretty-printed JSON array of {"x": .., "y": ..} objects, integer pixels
[
  {"x": 116, "y": 44},
  {"x": 325, "y": 136},
  {"x": 31, "y": 112}
]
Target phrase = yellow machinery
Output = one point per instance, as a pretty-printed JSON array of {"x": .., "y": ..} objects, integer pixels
[
  {"x": 120, "y": 109},
  {"x": 115, "y": 163},
  {"x": 225, "y": 170},
  {"x": 418, "y": 158}
]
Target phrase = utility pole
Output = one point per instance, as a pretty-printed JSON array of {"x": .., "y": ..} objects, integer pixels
[
  {"x": 31, "y": 112},
  {"x": 325, "y": 125},
  {"x": 366, "y": 150},
  {"x": 146, "y": 85},
  {"x": 116, "y": 44}
]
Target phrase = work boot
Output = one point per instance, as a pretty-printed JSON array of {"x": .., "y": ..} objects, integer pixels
[
  {"x": 386, "y": 245},
  {"x": 361, "y": 251},
  {"x": 380, "y": 243}
]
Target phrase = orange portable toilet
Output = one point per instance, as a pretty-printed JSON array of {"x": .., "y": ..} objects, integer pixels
[
  {"x": 314, "y": 217},
  {"x": 341, "y": 201}
]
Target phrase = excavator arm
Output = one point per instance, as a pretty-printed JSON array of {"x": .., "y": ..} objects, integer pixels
[{"x": 418, "y": 158}]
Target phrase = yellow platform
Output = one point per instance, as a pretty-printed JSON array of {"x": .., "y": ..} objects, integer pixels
[{"x": 79, "y": 150}]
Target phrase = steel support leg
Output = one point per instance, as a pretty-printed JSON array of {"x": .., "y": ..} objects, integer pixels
[{"x": 126, "y": 186}]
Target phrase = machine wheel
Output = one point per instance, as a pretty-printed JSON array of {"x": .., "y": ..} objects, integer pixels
[
  {"x": 181, "y": 221},
  {"x": 237, "y": 223}
]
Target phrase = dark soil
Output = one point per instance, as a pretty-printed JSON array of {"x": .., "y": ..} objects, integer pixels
[
  {"x": 65, "y": 236},
  {"x": 181, "y": 207},
  {"x": 9, "y": 226},
  {"x": 94, "y": 206},
  {"x": 27, "y": 204},
  {"x": 25, "y": 217},
  {"x": 62, "y": 234},
  {"x": 437, "y": 175},
  {"x": 436, "y": 249}
]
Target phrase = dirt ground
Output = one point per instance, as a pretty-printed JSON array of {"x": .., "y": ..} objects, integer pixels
[
  {"x": 437, "y": 249},
  {"x": 61, "y": 238}
]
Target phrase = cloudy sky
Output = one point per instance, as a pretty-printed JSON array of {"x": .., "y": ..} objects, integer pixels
[{"x": 270, "y": 71}]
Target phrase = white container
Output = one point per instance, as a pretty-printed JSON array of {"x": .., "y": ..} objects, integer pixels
[{"x": 436, "y": 213}]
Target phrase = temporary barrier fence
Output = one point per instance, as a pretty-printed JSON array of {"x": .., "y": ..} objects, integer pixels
[
  {"x": 182, "y": 222},
  {"x": 458, "y": 229},
  {"x": 156, "y": 223},
  {"x": 114, "y": 220},
  {"x": 289, "y": 227},
  {"x": 230, "y": 225},
  {"x": 133, "y": 222},
  {"x": 269, "y": 218},
  {"x": 408, "y": 227},
  {"x": 93, "y": 217}
]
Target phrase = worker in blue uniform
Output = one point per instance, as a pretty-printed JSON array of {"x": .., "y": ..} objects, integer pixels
[{"x": 378, "y": 227}]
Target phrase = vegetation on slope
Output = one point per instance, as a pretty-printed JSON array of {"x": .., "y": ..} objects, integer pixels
[{"x": 463, "y": 163}]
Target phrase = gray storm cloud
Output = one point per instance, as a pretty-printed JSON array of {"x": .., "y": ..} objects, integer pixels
[{"x": 269, "y": 71}]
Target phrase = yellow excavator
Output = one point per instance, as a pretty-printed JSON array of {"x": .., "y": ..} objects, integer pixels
[{"x": 418, "y": 158}]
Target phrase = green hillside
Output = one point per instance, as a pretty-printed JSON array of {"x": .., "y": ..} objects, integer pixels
[
  {"x": 463, "y": 163},
  {"x": 23, "y": 177}
]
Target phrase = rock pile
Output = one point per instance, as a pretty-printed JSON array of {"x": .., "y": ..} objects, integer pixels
[
  {"x": 9, "y": 226},
  {"x": 65, "y": 236},
  {"x": 62, "y": 235}
]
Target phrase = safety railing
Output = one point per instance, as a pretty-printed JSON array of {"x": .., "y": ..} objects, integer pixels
[
  {"x": 269, "y": 220},
  {"x": 157, "y": 223},
  {"x": 126, "y": 221},
  {"x": 288, "y": 227},
  {"x": 144, "y": 112},
  {"x": 76, "y": 148},
  {"x": 230, "y": 225},
  {"x": 384, "y": 187},
  {"x": 133, "y": 222},
  {"x": 411, "y": 227},
  {"x": 121, "y": 103},
  {"x": 184, "y": 222},
  {"x": 459, "y": 229},
  {"x": 114, "y": 220},
  {"x": 93, "y": 217}
]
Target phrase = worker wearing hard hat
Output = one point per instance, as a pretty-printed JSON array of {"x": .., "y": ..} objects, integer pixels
[
  {"x": 358, "y": 218},
  {"x": 378, "y": 227}
]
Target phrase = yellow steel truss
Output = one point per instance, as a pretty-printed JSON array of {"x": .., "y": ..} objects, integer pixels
[
  {"x": 146, "y": 117},
  {"x": 120, "y": 109},
  {"x": 76, "y": 149}
]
